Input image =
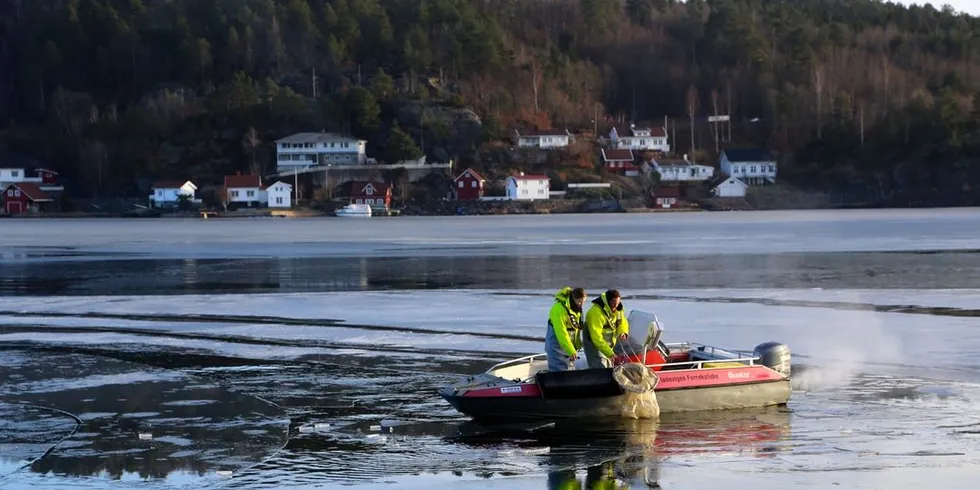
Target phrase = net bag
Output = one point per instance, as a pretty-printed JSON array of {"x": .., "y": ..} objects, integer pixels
[{"x": 638, "y": 383}]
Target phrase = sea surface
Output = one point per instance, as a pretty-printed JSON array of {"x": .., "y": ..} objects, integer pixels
[{"x": 307, "y": 353}]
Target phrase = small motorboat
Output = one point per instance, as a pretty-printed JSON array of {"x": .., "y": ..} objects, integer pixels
[
  {"x": 692, "y": 377},
  {"x": 354, "y": 211}
]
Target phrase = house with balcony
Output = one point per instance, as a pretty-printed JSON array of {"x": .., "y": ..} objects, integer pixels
[
  {"x": 18, "y": 168},
  {"x": 545, "y": 139},
  {"x": 679, "y": 170},
  {"x": 639, "y": 138},
  {"x": 303, "y": 150},
  {"x": 752, "y": 166}
]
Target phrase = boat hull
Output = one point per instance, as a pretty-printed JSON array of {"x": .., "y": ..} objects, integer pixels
[{"x": 724, "y": 397}]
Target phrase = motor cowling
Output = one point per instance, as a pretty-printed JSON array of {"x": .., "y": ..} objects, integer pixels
[{"x": 775, "y": 356}]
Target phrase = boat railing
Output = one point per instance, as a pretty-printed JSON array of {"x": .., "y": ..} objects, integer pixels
[
  {"x": 699, "y": 364},
  {"x": 514, "y": 362}
]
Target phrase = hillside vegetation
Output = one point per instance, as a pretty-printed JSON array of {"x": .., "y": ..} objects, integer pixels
[{"x": 861, "y": 97}]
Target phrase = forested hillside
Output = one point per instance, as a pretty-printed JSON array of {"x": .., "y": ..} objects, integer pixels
[{"x": 856, "y": 95}]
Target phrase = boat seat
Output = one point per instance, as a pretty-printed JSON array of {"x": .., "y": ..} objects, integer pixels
[{"x": 722, "y": 364}]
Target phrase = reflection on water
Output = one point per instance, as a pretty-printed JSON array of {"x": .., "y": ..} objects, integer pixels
[
  {"x": 128, "y": 424},
  {"x": 796, "y": 270},
  {"x": 625, "y": 453}
]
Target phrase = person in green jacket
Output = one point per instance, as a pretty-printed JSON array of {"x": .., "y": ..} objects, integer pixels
[
  {"x": 563, "y": 337},
  {"x": 605, "y": 325}
]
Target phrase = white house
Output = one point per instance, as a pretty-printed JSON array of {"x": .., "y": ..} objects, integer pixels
[
  {"x": 244, "y": 190},
  {"x": 543, "y": 138},
  {"x": 730, "y": 187},
  {"x": 17, "y": 168},
  {"x": 167, "y": 193},
  {"x": 528, "y": 187},
  {"x": 674, "y": 170},
  {"x": 306, "y": 149},
  {"x": 752, "y": 166},
  {"x": 639, "y": 138},
  {"x": 279, "y": 195}
]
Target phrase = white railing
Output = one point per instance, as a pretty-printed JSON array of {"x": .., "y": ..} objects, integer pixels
[
  {"x": 513, "y": 362},
  {"x": 699, "y": 364}
]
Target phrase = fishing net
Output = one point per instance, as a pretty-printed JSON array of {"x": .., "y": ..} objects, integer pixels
[{"x": 638, "y": 383}]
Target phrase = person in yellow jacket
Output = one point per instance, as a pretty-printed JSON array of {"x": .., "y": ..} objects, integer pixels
[
  {"x": 563, "y": 337},
  {"x": 605, "y": 325}
]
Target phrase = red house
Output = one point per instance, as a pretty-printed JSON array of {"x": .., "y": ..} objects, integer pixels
[
  {"x": 665, "y": 197},
  {"x": 618, "y": 161},
  {"x": 24, "y": 197},
  {"x": 469, "y": 185},
  {"x": 373, "y": 193}
]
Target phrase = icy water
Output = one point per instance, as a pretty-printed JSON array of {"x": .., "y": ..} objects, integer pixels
[{"x": 307, "y": 353}]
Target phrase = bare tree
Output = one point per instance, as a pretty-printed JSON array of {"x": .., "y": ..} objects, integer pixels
[
  {"x": 692, "y": 108},
  {"x": 250, "y": 141},
  {"x": 818, "y": 88}
]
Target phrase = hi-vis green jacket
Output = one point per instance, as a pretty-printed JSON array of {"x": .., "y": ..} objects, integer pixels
[
  {"x": 566, "y": 323},
  {"x": 602, "y": 323}
]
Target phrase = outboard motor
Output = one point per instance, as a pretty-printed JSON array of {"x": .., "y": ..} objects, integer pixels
[{"x": 774, "y": 356}]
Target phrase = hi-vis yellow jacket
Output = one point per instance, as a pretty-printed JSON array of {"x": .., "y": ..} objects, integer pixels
[
  {"x": 603, "y": 323},
  {"x": 566, "y": 323}
]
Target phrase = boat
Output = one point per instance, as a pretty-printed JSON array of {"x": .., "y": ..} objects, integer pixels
[
  {"x": 691, "y": 377},
  {"x": 354, "y": 211}
]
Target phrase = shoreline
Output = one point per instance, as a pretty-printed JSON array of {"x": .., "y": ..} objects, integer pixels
[{"x": 313, "y": 213}]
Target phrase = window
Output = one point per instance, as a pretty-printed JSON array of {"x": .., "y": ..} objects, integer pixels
[
  {"x": 250, "y": 193},
  {"x": 159, "y": 193},
  {"x": 16, "y": 193},
  {"x": 278, "y": 200},
  {"x": 234, "y": 193},
  {"x": 753, "y": 169},
  {"x": 461, "y": 184},
  {"x": 369, "y": 190},
  {"x": 15, "y": 173},
  {"x": 474, "y": 184},
  {"x": 10, "y": 193},
  {"x": 772, "y": 168},
  {"x": 540, "y": 191},
  {"x": 524, "y": 192}
]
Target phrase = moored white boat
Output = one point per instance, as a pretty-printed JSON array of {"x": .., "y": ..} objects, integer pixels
[{"x": 354, "y": 211}]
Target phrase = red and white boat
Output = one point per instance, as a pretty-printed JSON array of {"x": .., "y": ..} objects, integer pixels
[{"x": 692, "y": 377}]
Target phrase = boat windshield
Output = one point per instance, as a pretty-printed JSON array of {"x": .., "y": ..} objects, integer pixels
[{"x": 644, "y": 333}]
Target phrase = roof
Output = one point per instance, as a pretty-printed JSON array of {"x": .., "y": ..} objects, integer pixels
[
  {"x": 666, "y": 192},
  {"x": 627, "y": 131},
  {"x": 472, "y": 173},
  {"x": 357, "y": 188},
  {"x": 264, "y": 187},
  {"x": 32, "y": 191},
  {"x": 721, "y": 179},
  {"x": 617, "y": 155},
  {"x": 172, "y": 184},
  {"x": 534, "y": 133},
  {"x": 530, "y": 177},
  {"x": 316, "y": 138},
  {"x": 239, "y": 181},
  {"x": 748, "y": 155},
  {"x": 672, "y": 162}
]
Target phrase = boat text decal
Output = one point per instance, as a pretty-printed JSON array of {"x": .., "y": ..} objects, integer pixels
[{"x": 511, "y": 389}]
